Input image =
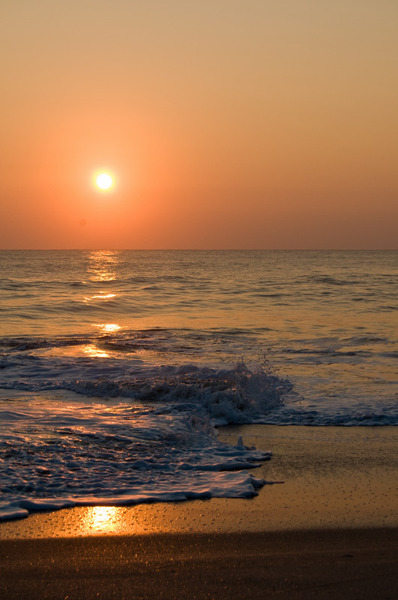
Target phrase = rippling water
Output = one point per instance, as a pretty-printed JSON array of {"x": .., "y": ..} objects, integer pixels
[{"x": 116, "y": 365}]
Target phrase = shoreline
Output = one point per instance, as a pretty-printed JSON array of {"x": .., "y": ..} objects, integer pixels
[
  {"x": 333, "y": 478},
  {"x": 329, "y": 531}
]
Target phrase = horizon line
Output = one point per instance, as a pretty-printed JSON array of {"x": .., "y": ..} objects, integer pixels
[{"x": 97, "y": 249}]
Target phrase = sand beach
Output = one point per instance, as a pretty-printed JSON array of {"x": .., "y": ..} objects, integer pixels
[{"x": 328, "y": 531}]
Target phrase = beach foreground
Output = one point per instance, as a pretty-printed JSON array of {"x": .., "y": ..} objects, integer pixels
[
  {"x": 358, "y": 564},
  {"x": 329, "y": 531}
]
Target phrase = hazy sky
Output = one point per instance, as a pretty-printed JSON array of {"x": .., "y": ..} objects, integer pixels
[{"x": 225, "y": 123}]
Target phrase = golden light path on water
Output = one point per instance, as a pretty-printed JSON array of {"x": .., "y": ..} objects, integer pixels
[
  {"x": 101, "y": 268},
  {"x": 100, "y": 296},
  {"x": 108, "y": 327},
  {"x": 94, "y": 352},
  {"x": 102, "y": 264}
]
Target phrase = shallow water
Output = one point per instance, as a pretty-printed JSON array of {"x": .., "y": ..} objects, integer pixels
[{"x": 116, "y": 365}]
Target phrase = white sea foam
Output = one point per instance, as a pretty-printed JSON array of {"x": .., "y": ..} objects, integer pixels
[{"x": 141, "y": 437}]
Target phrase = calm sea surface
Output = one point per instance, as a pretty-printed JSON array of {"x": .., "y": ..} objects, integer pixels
[{"x": 115, "y": 366}]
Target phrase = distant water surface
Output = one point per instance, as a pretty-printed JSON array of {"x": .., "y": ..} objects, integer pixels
[{"x": 116, "y": 365}]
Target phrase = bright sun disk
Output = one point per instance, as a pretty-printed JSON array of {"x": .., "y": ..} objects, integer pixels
[{"x": 104, "y": 181}]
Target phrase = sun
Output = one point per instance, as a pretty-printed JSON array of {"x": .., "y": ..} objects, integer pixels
[{"x": 104, "y": 181}]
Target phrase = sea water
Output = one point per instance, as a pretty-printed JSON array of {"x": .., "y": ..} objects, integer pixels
[{"x": 116, "y": 367}]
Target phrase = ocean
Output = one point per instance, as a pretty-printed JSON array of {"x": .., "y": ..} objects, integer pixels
[{"x": 117, "y": 367}]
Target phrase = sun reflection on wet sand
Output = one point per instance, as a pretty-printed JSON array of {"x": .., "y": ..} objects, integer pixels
[{"x": 102, "y": 519}]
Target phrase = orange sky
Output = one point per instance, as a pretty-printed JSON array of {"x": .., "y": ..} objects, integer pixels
[{"x": 227, "y": 124}]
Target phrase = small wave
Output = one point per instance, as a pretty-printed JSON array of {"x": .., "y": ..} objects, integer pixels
[
  {"x": 353, "y": 418},
  {"x": 236, "y": 395},
  {"x": 206, "y": 485},
  {"x": 365, "y": 339},
  {"x": 269, "y": 295},
  {"x": 155, "y": 442},
  {"x": 328, "y": 280},
  {"x": 22, "y": 344}
]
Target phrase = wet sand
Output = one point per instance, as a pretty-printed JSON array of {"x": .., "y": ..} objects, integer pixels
[
  {"x": 328, "y": 531},
  {"x": 355, "y": 564}
]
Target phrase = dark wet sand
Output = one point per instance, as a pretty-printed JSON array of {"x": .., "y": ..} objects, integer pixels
[{"x": 355, "y": 564}]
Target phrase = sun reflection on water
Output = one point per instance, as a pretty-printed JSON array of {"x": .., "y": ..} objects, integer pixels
[
  {"x": 94, "y": 352},
  {"x": 99, "y": 296},
  {"x": 102, "y": 265},
  {"x": 102, "y": 269},
  {"x": 108, "y": 327}
]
